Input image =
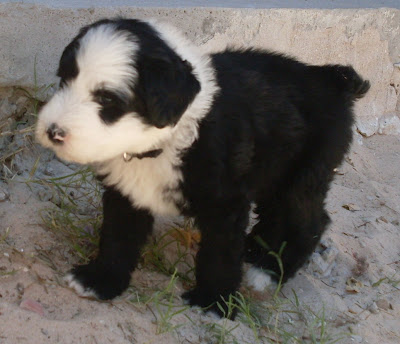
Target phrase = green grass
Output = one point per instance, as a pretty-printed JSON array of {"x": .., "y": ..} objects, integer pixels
[
  {"x": 22, "y": 126},
  {"x": 8, "y": 273},
  {"x": 72, "y": 193},
  {"x": 180, "y": 262},
  {"x": 273, "y": 321},
  {"x": 222, "y": 333},
  {"x": 294, "y": 322},
  {"x": 38, "y": 93},
  {"x": 168, "y": 306},
  {"x": 251, "y": 315},
  {"x": 277, "y": 319},
  {"x": 390, "y": 280},
  {"x": 164, "y": 303},
  {"x": 4, "y": 236}
]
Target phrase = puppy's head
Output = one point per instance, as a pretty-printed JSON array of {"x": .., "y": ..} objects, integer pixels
[{"x": 122, "y": 89}]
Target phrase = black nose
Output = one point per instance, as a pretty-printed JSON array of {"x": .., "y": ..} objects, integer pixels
[{"x": 55, "y": 133}]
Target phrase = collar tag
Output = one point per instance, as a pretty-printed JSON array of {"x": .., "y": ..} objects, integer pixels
[
  {"x": 127, "y": 157},
  {"x": 149, "y": 154}
]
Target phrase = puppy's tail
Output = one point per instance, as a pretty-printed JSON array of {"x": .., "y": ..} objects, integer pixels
[{"x": 350, "y": 82}]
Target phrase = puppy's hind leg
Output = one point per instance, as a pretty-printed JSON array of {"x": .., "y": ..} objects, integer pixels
[
  {"x": 123, "y": 233},
  {"x": 291, "y": 222},
  {"x": 267, "y": 236}
]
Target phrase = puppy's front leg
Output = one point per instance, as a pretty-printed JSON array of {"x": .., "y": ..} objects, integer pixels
[
  {"x": 123, "y": 233},
  {"x": 219, "y": 260}
]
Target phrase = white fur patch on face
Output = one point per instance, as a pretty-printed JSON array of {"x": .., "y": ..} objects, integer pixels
[
  {"x": 104, "y": 60},
  {"x": 257, "y": 278}
]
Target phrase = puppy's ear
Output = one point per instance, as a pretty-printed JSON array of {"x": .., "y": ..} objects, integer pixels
[{"x": 167, "y": 86}]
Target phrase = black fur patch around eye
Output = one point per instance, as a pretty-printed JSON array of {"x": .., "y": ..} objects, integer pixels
[
  {"x": 113, "y": 105},
  {"x": 165, "y": 84}
]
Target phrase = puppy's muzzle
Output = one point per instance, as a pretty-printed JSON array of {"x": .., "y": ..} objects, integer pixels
[{"x": 56, "y": 134}]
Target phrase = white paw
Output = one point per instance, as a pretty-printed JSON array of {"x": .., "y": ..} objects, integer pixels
[
  {"x": 78, "y": 287},
  {"x": 257, "y": 278}
]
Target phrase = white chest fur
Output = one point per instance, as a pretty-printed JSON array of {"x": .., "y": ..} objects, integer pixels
[
  {"x": 153, "y": 183},
  {"x": 150, "y": 183}
]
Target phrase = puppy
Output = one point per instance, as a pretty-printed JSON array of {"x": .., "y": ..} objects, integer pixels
[{"x": 171, "y": 131}]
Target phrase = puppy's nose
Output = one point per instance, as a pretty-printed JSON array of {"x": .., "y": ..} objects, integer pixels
[{"x": 55, "y": 133}]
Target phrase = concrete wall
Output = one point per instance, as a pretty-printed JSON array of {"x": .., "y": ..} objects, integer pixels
[{"x": 369, "y": 39}]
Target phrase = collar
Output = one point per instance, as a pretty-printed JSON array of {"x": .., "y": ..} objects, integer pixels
[{"x": 149, "y": 154}]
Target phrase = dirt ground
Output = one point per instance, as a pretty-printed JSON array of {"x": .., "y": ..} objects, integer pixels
[{"x": 349, "y": 292}]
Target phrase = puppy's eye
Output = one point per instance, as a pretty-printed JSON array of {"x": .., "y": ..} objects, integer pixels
[
  {"x": 112, "y": 105},
  {"x": 104, "y": 98}
]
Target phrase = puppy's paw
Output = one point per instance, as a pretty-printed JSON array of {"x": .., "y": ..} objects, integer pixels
[
  {"x": 95, "y": 280},
  {"x": 74, "y": 283},
  {"x": 219, "y": 305}
]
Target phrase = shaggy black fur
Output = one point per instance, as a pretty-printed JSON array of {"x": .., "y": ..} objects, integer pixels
[
  {"x": 109, "y": 274},
  {"x": 274, "y": 135}
]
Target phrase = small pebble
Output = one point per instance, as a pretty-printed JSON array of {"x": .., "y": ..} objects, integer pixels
[
  {"x": 330, "y": 254},
  {"x": 384, "y": 304},
  {"x": 356, "y": 338},
  {"x": 318, "y": 264},
  {"x": 395, "y": 223},
  {"x": 373, "y": 308},
  {"x": 352, "y": 310},
  {"x": 49, "y": 171},
  {"x": 321, "y": 263},
  {"x": 4, "y": 195},
  {"x": 22, "y": 100},
  {"x": 44, "y": 195},
  {"x": 20, "y": 288},
  {"x": 33, "y": 306}
]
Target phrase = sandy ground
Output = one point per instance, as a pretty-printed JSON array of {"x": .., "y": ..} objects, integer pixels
[{"x": 353, "y": 278}]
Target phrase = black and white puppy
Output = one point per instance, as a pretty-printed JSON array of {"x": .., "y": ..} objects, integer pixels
[{"x": 172, "y": 131}]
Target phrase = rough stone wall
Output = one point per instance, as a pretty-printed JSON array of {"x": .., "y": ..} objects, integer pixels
[{"x": 32, "y": 38}]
